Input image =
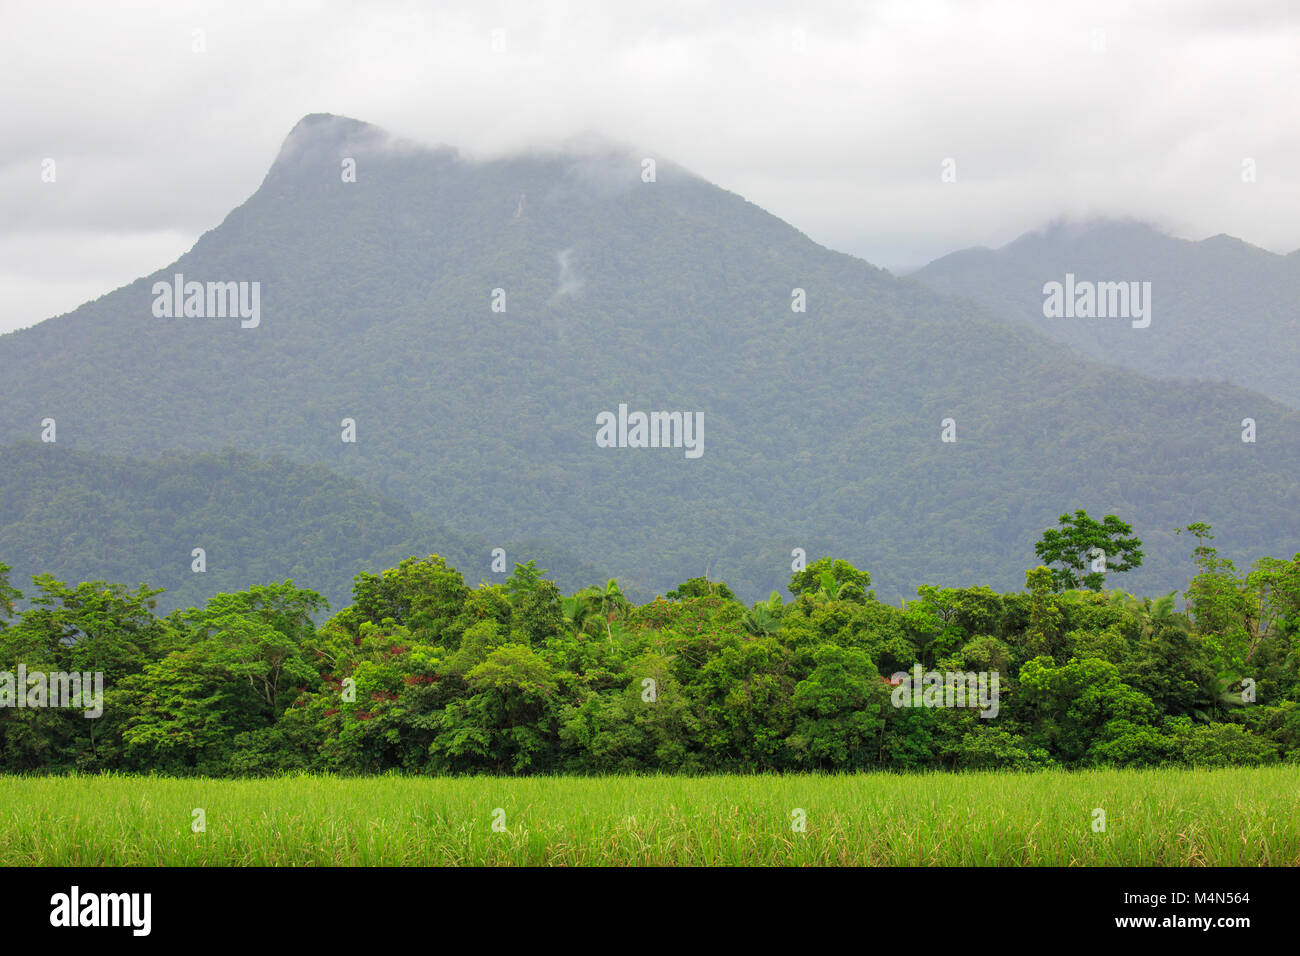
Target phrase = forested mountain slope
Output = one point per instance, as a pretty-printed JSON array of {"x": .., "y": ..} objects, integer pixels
[
  {"x": 83, "y": 516},
  {"x": 821, "y": 429},
  {"x": 1221, "y": 308}
]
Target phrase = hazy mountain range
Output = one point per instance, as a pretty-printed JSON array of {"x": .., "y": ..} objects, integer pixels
[
  {"x": 1221, "y": 308},
  {"x": 821, "y": 428}
]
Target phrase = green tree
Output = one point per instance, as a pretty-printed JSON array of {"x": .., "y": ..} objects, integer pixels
[
  {"x": 764, "y": 619},
  {"x": 1081, "y": 705},
  {"x": 507, "y": 722},
  {"x": 184, "y": 710},
  {"x": 1085, "y": 550},
  {"x": 424, "y": 594},
  {"x": 611, "y": 605},
  {"x": 92, "y": 627},
  {"x": 830, "y": 579},
  {"x": 743, "y": 696},
  {"x": 1236, "y": 614},
  {"x": 1169, "y": 663},
  {"x": 257, "y": 635},
  {"x": 700, "y": 587},
  {"x": 838, "y": 709},
  {"x": 582, "y": 611},
  {"x": 8, "y": 595}
]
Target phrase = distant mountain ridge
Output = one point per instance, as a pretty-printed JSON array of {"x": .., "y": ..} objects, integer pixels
[
  {"x": 642, "y": 285},
  {"x": 1224, "y": 309}
]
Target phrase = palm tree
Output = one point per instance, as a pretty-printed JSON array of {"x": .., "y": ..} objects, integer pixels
[
  {"x": 830, "y": 588},
  {"x": 612, "y": 605},
  {"x": 762, "y": 620},
  {"x": 580, "y": 610},
  {"x": 1151, "y": 616}
]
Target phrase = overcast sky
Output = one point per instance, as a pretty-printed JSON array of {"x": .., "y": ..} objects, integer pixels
[{"x": 835, "y": 117}]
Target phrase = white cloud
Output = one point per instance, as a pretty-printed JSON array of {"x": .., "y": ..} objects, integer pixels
[{"x": 835, "y": 118}]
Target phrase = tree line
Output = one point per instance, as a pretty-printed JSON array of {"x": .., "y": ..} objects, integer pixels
[{"x": 422, "y": 673}]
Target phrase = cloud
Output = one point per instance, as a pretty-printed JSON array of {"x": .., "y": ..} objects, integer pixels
[
  {"x": 569, "y": 283},
  {"x": 836, "y": 118}
]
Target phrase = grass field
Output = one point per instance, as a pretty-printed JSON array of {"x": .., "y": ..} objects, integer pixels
[{"x": 1153, "y": 818}]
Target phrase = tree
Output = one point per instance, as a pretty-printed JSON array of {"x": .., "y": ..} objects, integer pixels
[
  {"x": 838, "y": 709},
  {"x": 92, "y": 627},
  {"x": 539, "y": 615},
  {"x": 257, "y": 635},
  {"x": 611, "y": 604},
  {"x": 526, "y": 578},
  {"x": 8, "y": 594},
  {"x": 183, "y": 711},
  {"x": 744, "y": 698},
  {"x": 700, "y": 587},
  {"x": 506, "y": 723},
  {"x": 236, "y": 672},
  {"x": 763, "y": 620},
  {"x": 581, "y": 610},
  {"x": 425, "y": 594},
  {"x": 1082, "y": 705},
  {"x": 1085, "y": 550},
  {"x": 420, "y": 675},
  {"x": 1237, "y": 614},
  {"x": 1044, "y": 626},
  {"x": 830, "y": 579},
  {"x": 1169, "y": 663}
]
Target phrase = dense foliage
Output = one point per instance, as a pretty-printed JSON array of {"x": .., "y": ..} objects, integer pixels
[{"x": 423, "y": 673}]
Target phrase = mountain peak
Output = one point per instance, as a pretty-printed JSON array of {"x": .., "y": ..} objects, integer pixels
[
  {"x": 325, "y": 130},
  {"x": 1073, "y": 230},
  {"x": 323, "y": 140},
  {"x": 1223, "y": 240},
  {"x": 314, "y": 121}
]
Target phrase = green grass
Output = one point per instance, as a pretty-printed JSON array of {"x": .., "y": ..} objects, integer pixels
[{"x": 1153, "y": 818}]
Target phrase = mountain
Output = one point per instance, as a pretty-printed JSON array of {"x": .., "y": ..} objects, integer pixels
[
  {"x": 821, "y": 427},
  {"x": 1221, "y": 308},
  {"x": 84, "y": 516}
]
